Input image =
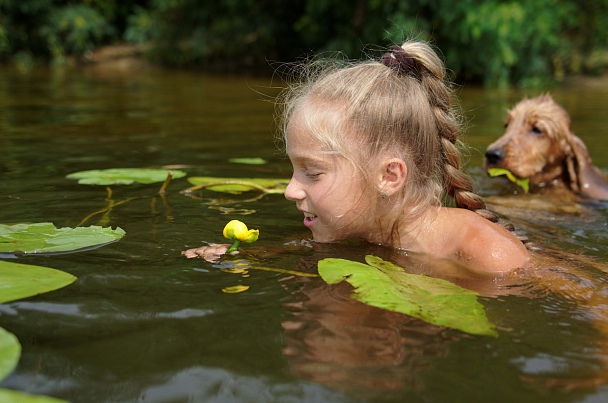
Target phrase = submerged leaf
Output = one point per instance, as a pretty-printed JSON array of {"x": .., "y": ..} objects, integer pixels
[
  {"x": 240, "y": 185},
  {"x": 384, "y": 285},
  {"x": 10, "y": 350},
  {"x": 523, "y": 183},
  {"x": 123, "y": 176},
  {"x": 23, "y": 280},
  {"x": 45, "y": 238}
]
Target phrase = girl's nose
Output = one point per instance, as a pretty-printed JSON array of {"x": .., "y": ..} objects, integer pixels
[{"x": 293, "y": 191}]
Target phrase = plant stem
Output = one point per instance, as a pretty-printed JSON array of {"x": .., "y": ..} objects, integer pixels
[
  {"x": 235, "y": 246},
  {"x": 163, "y": 188}
]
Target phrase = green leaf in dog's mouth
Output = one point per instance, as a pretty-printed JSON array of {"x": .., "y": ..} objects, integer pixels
[{"x": 523, "y": 183}]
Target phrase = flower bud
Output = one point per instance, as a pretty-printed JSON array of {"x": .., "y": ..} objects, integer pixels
[{"x": 237, "y": 231}]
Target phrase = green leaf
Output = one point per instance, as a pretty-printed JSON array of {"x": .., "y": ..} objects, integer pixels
[
  {"x": 384, "y": 285},
  {"x": 10, "y": 350},
  {"x": 14, "y": 396},
  {"x": 123, "y": 176},
  {"x": 248, "y": 161},
  {"x": 19, "y": 281},
  {"x": 45, "y": 238},
  {"x": 523, "y": 183},
  {"x": 240, "y": 185}
]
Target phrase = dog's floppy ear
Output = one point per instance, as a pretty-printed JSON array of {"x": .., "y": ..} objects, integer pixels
[
  {"x": 576, "y": 157},
  {"x": 584, "y": 176}
]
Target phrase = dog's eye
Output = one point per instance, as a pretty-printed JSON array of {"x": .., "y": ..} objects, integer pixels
[{"x": 536, "y": 130}]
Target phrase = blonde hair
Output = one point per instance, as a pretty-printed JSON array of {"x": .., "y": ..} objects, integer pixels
[{"x": 368, "y": 110}]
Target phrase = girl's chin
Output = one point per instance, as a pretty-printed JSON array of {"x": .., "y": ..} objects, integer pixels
[
  {"x": 323, "y": 234},
  {"x": 325, "y": 238}
]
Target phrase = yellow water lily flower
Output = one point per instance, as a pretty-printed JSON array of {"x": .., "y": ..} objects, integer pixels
[
  {"x": 238, "y": 232},
  {"x": 236, "y": 229}
]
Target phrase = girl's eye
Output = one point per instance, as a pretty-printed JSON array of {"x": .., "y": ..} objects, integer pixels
[{"x": 312, "y": 175}]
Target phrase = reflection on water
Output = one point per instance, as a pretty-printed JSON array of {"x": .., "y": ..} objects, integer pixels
[
  {"x": 142, "y": 323},
  {"x": 356, "y": 348}
]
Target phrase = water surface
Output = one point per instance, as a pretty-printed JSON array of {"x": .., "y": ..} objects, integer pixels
[{"x": 142, "y": 323}]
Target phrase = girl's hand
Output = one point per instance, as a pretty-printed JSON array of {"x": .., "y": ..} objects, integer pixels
[{"x": 210, "y": 253}]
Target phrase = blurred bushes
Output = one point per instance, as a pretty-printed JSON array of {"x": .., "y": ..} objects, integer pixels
[
  {"x": 496, "y": 42},
  {"x": 51, "y": 30},
  {"x": 74, "y": 30}
]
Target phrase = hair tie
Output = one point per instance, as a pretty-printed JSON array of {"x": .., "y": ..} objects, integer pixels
[{"x": 399, "y": 60}]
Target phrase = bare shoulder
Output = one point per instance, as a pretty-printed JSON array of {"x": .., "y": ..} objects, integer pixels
[{"x": 483, "y": 244}]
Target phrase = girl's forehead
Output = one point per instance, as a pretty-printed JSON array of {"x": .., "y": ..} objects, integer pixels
[
  {"x": 298, "y": 135},
  {"x": 305, "y": 149},
  {"x": 302, "y": 146},
  {"x": 311, "y": 134}
]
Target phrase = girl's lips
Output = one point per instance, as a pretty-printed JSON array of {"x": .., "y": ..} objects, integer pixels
[{"x": 309, "y": 220}]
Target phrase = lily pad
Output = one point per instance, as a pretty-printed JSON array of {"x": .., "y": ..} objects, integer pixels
[
  {"x": 23, "y": 280},
  {"x": 240, "y": 185},
  {"x": 8, "y": 395},
  {"x": 384, "y": 285},
  {"x": 46, "y": 238},
  {"x": 123, "y": 176},
  {"x": 523, "y": 183},
  {"x": 248, "y": 161},
  {"x": 10, "y": 350}
]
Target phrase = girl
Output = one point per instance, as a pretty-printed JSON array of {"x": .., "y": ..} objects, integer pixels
[{"x": 374, "y": 150}]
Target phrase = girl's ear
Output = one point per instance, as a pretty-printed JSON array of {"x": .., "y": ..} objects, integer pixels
[{"x": 393, "y": 174}]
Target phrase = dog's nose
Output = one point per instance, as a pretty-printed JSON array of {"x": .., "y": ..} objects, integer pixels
[{"x": 494, "y": 155}]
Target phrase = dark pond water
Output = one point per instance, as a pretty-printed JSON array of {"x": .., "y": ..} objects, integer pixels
[{"x": 144, "y": 324}]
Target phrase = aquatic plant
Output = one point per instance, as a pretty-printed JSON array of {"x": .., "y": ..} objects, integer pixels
[
  {"x": 238, "y": 232},
  {"x": 124, "y": 176},
  {"x": 46, "y": 238},
  {"x": 523, "y": 183},
  {"x": 19, "y": 281},
  {"x": 384, "y": 285}
]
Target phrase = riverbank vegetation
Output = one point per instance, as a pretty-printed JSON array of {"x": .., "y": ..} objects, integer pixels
[{"x": 494, "y": 42}]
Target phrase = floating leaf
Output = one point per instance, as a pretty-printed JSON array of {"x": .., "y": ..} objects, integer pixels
[
  {"x": 123, "y": 176},
  {"x": 240, "y": 185},
  {"x": 45, "y": 238},
  {"x": 384, "y": 285},
  {"x": 8, "y": 395},
  {"x": 23, "y": 280},
  {"x": 235, "y": 289},
  {"x": 20, "y": 281},
  {"x": 248, "y": 161},
  {"x": 523, "y": 183},
  {"x": 10, "y": 350}
]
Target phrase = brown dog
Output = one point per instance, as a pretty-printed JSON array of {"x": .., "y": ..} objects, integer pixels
[{"x": 539, "y": 145}]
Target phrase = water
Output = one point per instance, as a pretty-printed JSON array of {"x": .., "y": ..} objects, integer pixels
[{"x": 142, "y": 323}]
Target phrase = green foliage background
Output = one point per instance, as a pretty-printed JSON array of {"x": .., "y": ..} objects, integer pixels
[{"x": 496, "y": 42}]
